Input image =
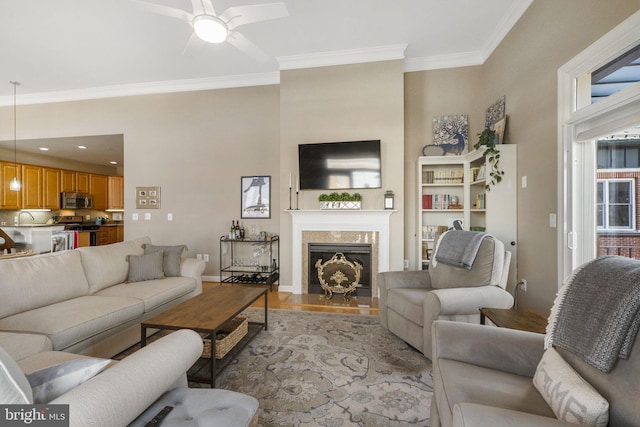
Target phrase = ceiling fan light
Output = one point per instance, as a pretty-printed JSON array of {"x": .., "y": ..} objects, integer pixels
[{"x": 210, "y": 29}]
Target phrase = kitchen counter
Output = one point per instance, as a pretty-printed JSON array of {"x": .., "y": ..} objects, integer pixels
[{"x": 34, "y": 237}]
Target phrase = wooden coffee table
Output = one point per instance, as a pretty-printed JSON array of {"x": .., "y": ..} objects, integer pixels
[
  {"x": 507, "y": 318},
  {"x": 207, "y": 313}
]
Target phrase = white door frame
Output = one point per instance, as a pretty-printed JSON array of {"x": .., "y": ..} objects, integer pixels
[{"x": 575, "y": 160}]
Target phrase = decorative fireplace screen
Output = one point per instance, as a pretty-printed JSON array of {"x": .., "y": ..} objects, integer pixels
[
  {"x": 340, "y": 259},
  {"x": 338, "y": 275}
]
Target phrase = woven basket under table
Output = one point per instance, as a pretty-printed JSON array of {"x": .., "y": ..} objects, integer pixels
[{"x": 228, "y": 336}]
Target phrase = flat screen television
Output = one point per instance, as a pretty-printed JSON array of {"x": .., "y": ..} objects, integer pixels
[{"x": 340, "y": 165}]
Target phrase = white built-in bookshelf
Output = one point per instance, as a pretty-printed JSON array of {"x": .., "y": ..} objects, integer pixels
[{"x": 452, "y": 188}]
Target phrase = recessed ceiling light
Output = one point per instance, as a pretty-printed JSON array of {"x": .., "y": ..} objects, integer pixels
[
  {"x": 82, "y": 147},
  {"x": 43, "y": 149},
  {"x": 113, "y": 163}
]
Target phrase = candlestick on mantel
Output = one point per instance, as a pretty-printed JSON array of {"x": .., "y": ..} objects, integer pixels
[{"x": 290, "y": 178}]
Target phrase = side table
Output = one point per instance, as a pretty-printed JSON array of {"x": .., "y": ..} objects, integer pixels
[{"x": 506, "y": 318}]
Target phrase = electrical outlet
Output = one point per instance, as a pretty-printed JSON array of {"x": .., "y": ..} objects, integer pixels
[
  {"x": 406, "y": 263},
  {"x": 523, "y": 284},
  {"x": 205, "y": 257}
]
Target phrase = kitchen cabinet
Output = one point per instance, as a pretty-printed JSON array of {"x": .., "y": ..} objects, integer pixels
[
  {"x": 67, "y": 181},
  {"x": 250, "y": 261},
  {"x": 31, "y": 187},
  {"x": 116, "y": 192},
  {"x": 40, "y": 187},
  {"x": 82, "y": 182},
  {"x": 51, "y": 188},
  {"x": 98, "y": 188},
  {"x": 119, "y": 233},
  {"x": 9, "y": 199},
  {"x": 108, "y": 234},
  {"x": 84, "y": 238},
  {"x": 74, "y": 182}
]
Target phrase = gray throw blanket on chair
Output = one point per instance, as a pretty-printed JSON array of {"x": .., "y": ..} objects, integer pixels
[
  {"x": 597, "y": 312},
  {"x": 458, "y": 248}
]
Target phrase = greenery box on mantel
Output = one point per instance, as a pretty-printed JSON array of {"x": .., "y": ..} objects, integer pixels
[
  {"x": 340, "y": 201},
  {"x": 340, "y": 205}
]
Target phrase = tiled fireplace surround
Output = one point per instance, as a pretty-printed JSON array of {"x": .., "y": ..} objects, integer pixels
[{"x": 338, "y": 226}]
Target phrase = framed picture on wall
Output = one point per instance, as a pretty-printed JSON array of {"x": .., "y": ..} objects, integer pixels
[
  {"x": 255, "y": 194},
  {"x": 499, "y": 128}
]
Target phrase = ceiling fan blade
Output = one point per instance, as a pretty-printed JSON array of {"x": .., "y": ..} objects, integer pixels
[
  {"x": 245, "y": 45},
  {"x": 241, "y": 15},
  {"x": 163, "y": 10},
  {"x": 193, "y": 46},
  {"x": 203, "y": 6}
]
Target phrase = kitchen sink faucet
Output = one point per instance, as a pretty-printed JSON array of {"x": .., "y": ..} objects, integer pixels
[{"x": 24, "y": 212}]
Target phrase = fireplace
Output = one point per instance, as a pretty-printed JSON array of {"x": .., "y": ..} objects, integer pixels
[
  {"x": 369, "y": 227},
  {"x": 353, "y": 253}
]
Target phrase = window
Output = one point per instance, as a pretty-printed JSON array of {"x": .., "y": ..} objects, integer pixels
[
  {"x": 615, "y": 204},
  {"x": 618, "y": 153}
]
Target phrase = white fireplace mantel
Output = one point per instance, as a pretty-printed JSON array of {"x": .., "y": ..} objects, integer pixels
[{"x": 337, "y": 220}]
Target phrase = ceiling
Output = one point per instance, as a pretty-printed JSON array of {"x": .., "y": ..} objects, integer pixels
[{"x": 83, "y": 49}]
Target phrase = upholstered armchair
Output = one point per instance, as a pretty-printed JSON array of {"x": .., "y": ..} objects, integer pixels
[
  {"x": 583, "y": 371},
  {"x": 410, "y": 301}
]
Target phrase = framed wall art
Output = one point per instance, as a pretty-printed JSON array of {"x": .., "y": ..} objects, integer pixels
[
  {"x": 495, "y": 112},
  {"x": 499, "y": 128},
  {"x": 450, "y": 135},
  {"x": 255, "y": 196},
  {"x": 147, "y": 197}
]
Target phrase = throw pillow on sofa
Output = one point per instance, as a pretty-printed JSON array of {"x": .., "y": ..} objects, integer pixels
[
  {"x": 145, "y": 267},
  {"x": 54, "y": 381},
  {"x": 571, "y": 398},
  {"x": 14, "y": 387},
  {"x": 171, "y": 258}
]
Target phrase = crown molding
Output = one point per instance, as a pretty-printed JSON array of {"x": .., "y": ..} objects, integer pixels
[
  {"x": 512, "y": 16},
  {"x": 342, "y": 57},
  {"x": 465, "y": 59},
  {"x": 147, "y": 88}
]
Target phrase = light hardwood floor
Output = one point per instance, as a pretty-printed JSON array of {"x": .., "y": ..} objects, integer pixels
[{"x": 312, "y": 302}]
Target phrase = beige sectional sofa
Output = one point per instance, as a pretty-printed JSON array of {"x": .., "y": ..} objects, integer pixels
[{"x": 79, "y": 301}]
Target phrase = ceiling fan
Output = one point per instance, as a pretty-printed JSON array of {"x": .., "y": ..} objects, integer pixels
[{"x": 213, "y": 27}]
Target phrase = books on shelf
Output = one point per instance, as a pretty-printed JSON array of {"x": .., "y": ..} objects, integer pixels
[
  {"x": 432, "y": 232},
  {"x": 440, "y": 201},
  {"x": 443, "y": 176},
  {"x": 481, "y": 201},
  {"x": 427, "y": 201}
]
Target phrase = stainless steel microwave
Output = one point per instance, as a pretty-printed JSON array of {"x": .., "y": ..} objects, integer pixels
[{"x": 76, "y": 201}]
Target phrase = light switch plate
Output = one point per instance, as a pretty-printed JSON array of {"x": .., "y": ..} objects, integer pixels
[
  {"x": 147, "y": 216},
  {"x": 134, "y": 216}
]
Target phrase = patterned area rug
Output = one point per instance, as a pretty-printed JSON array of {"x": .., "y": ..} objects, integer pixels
[{"x": 329, "y": 369}]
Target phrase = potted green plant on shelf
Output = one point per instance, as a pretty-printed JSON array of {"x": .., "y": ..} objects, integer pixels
[
  {"x": 487, "y": 142},
  {"x": 340, "y": 201}
]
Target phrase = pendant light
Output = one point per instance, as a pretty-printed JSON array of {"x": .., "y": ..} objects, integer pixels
[{"x": 15, "y": 185}]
